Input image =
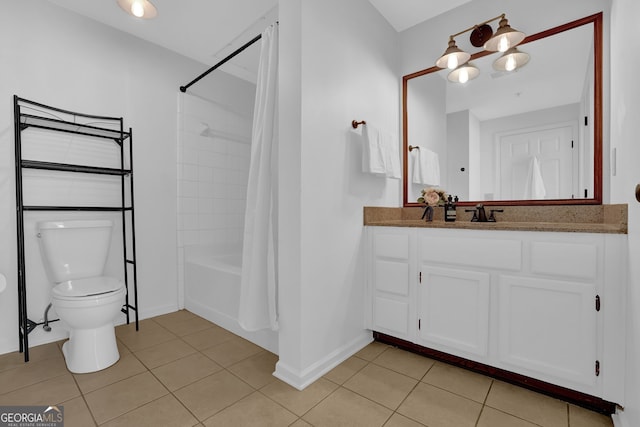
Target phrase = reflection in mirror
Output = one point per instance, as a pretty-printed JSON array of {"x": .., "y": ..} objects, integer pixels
[{"x": 530, "y": 136}]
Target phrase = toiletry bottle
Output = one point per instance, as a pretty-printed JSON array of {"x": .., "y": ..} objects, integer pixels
[{"x": 450, "y": 209}]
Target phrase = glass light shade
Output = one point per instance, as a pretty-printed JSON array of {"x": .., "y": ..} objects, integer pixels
[
  {"x": 452, "y": 57},
  {"x": 504, "y": 38},
  {"x": 511, "y": 60},
  {"x": 464, "y": 73},
  {"x": 139, "y": 8}
]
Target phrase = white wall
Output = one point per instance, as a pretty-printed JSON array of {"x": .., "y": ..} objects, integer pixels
[
  {"x": 338, "y": 63},
  {"x": 55, "y": 57},
  {"x": 625, "y": 127}
]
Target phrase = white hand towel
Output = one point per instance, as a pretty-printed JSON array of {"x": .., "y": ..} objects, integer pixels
[
  {"x": 534, "y": 187},
  {"x": 426, "y": 167},
  {"x": 373, "y": 157},
  {"x": 391, "y": 152}
]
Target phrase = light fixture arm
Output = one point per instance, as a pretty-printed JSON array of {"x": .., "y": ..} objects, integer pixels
[{"x": 473, "y": 27}]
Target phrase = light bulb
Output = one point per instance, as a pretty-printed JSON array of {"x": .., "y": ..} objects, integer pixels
[
  {"x": 137, "y": 9},
  {"x": 511, "y": 63},
  {"x": 452, "y": 62},
  {"x": 503, "y": 44},
  {"x": 464, "y": 76}
]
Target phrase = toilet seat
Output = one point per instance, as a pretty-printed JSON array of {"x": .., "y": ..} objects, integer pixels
[{"x": 87, "y": 287}]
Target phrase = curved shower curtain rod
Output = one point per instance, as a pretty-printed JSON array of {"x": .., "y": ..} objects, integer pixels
[{"x": 225, "y": 60}]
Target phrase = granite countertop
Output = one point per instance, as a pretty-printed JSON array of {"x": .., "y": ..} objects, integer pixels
[{"x": 610, "y": 219}]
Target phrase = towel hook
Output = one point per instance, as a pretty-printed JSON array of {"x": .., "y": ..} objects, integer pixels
[
  {"x": 355, "y": 124},
  {"x": 413, "y": 147}
]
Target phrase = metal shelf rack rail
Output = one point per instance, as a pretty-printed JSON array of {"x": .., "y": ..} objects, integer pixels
[{"x": 29, "y": 114}]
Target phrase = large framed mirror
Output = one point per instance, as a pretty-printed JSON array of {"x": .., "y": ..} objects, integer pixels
[{"x": 527, "y": 137}]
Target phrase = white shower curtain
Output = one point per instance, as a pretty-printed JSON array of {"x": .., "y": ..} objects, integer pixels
[{"x": 258, "y": 289}]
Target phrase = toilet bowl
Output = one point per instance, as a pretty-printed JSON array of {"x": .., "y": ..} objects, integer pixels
[
  {"x": 88, "y": 302},
  {"x": 88, "y": 307}
]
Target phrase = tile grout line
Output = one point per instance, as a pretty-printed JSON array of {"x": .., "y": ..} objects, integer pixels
[
  {"x": 369, "y": 362},
  {"x": 124, "y": 379},
  {"x": 198, "y": 421},
  {"x": 223, "y": 368},
  {"x": 200, "y": 379},
  {"x": 414, "y": 387},
  {"x": 49, "y": 355},
  {"x": 339, "y": 386},
  {"x": 95, "y": 422},
  {"x": 170, "y": 393},
  {"x": 484, "y": 402}
]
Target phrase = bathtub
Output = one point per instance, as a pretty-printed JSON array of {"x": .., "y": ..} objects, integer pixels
[{"x": 212, "y": 291}]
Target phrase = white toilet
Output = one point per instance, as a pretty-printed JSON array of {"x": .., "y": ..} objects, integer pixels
[{"x": 75, "y": 253}]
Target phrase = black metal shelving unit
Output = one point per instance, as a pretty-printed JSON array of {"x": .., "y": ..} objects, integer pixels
[{"x": 29, "y": 114}]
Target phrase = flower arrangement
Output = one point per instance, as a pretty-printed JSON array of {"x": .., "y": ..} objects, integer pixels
[{"x": 433, "y": 196}]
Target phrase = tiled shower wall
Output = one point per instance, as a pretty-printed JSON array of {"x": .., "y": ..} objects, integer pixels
[{"x": 213, "y": 168}]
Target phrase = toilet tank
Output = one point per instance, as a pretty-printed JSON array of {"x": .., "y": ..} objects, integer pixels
[{"x": 74, "y": 249}]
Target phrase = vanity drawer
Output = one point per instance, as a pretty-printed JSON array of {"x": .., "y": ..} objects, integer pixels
[
  {"x": 572, "y": 260},
  {"x": 502, "y": 254},
  {"x": 391, "y": 245}
]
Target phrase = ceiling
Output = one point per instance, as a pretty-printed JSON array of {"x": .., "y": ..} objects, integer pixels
[
  {"x": 403, "y": 14},
  {"x": 207, "y": 30}
]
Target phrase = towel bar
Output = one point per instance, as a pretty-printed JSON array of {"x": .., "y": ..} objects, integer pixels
[
  {"x": 355, "y": 123},
  {"x": 413, "y": 147}
]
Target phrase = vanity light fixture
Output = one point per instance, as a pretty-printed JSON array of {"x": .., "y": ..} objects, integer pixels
[
  {"x": 139, "y": 8},
  {"x": 504, "y": 40}
]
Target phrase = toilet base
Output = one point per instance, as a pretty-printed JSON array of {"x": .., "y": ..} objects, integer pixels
[{"x": 91, "y": 350}]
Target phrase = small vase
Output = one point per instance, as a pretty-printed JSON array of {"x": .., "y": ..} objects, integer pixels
[{"x": 428, "y": 213}]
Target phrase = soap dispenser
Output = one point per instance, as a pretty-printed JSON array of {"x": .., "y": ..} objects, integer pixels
[{"x": 450, "y": 209}]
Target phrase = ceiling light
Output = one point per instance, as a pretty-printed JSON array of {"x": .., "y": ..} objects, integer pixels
[
  {"x": 511, "y": 60},
  {"x": 464, "y": 73},
  {"x": 139, "y": 8},
  {"x": 452, "y": 57},
  {"x": 504, "y": 38}
]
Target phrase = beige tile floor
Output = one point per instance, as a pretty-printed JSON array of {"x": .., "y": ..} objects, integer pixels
[{"x": 181, "y": 370}]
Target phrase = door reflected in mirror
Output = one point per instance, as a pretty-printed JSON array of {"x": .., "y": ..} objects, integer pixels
[{"x": 529, "y": 136}]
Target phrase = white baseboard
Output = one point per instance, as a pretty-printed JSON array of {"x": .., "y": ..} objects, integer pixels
[
  {"x": 154, "y": 311},
  {"x": 59, "y": 331},
  {"x": 300, "y": 379},
  {"x": 38, "y": 337}
]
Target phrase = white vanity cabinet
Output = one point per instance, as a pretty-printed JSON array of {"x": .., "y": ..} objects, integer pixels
[
  {"x": 392, "y": 291},
  {"x": 546, "y": 305},
  {"x": 453, "y": 311}
]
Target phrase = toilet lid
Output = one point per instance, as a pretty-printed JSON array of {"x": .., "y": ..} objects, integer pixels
[{"x": 87, "y": 287}]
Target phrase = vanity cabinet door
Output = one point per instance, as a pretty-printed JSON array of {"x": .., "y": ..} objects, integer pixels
[
  {"x": 547, "y": 330},
  {"x": 392, "y": 268},
  {"x": 453, "y": 311}
]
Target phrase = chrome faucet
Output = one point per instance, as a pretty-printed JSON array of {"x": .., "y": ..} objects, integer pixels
[{"x": 479, "y": 214}]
